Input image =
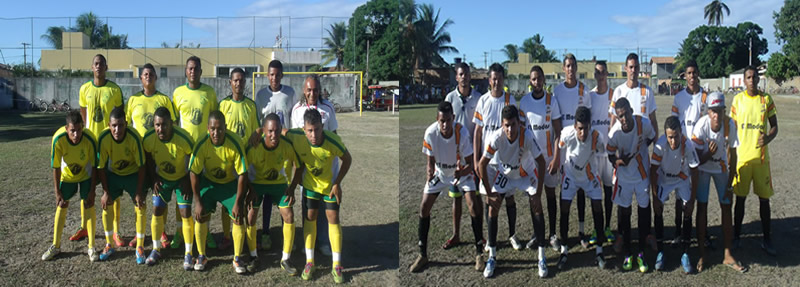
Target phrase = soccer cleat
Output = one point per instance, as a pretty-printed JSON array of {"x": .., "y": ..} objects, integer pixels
[
  {"x": 51, "y": 252},
  {"x": 307, "y": 270},
  {"x": 266, "y": 242},
  {"x": 593, "y": 239},
  {"x": 107, "y": 251},
  {"x": 419, "y": 264},
  {"x": 478, "y": 262},
  {"x": 153, "y": 258},
  {"x": 200, "y": 263},
  {"x": 600, "y": 261},
  {"x": 92, "y": 254},
  {"x": 584, "y": 242},
  {"x": 767, "y": 246},
  {"x": 627, "y": 265},
  {"x": 286, "y": 266},
  {"x": 641, "y": 262},
  {"x": 610, "y": 235},
  {"x": 140, "y": 259},
  {"x": 488, "y": 272},
  {"x": 238, "y": 265},
  {"x": 554, "y": 243},
  {"x": 542, "y": 268},
  {"x": 118, "y": 241},
  {"x": 187, "y": 262},
  {"x": 164, "y": 240},
  {"x": 210, "y": 242},
  {"x": 226, "y": 243},
  {"x": 80, "y": 234},
  {"x": 562, "y": 262},
  {"x": 252, "y": 265},
  {"x": 177, "y": 240},
  {"x": 514, "y": 242},
  {"x": 686, "y": 264},
  {"x": 338, "y": 277},
  {"x": 532, "y": 244},
  {"x": 660, "y": 261}
]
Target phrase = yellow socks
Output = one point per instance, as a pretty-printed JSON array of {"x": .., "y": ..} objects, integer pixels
[
  {"x": 238, "y": 239},
  {"x": 226, "y": 223},
  {"x": 108, "y": 221},
  {"x": 200, "y": 233},
  {"x": 335, "y": 236},
  {"x": 310, "y": 235},
  {"x": 251, "y": 239},
  {"x": 89, "y": 223},
  {"x": 83, "y": 224},
  {"x": 140, "y": 226},
  {"x": 156, "y": 227},
  {"x": 58, "y": 225},
  {"x": 288, "y": 240},
  {"x": 117, "y": 216},
  {"x": 188, "y": 233}
]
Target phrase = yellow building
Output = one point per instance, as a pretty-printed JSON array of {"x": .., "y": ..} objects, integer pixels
[
  {"x": 553, "y": 70},
  {"x": 76, "y": 54}
]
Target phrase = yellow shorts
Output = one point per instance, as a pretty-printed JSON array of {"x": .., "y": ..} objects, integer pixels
[{"x": 756, "y": 172}]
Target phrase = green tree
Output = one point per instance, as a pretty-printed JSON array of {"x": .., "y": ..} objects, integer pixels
[
  {"x": 53, "y": 36},
  {"x": 335, "y": 42},
  {"x": 713, "y": 12},
  {"x": 534, "y": 46},
  {"x": 511, "y": 52},
  {"x": 432, "y": 39},
  {"x": 787, "y": 31},
  {"x": 100, "y": 34},
  {"x": 780, "y": 68},
  {"x": 719, "y": 50},
  {"x": 387, "y": 47}
]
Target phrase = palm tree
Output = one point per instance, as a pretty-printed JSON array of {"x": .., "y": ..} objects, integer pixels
[
  {"x": 53, "y": 36},
  {"x": 335, "y": 43},
  {"x": 511, "y": 52},
  {"x": 713, "y": 12},
  {"x": 99, "y": 33},
  {"x": 408, "y": 16},
  {"x": 431, "y": 38},
  {"x": 534, "y": 46}
]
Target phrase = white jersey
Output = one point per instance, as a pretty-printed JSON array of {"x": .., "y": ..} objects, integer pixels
[
  {"x": 569, "y": 99},
  {"x": 325, "y": 109},
  {"x": 689, "y": 108},
  {"x": 641, "y": 99},
  {"x": 515, "y": 159},
  {"x": 633, "y": 143},
  {"x": 464, "y": 108},
  {"x": 447, "y": 152},
  {"x": 489, "y": 113},
  {"x": 674, "y": 164},
  {"x": 579, "y": 161},
  {"x": 540, "y": 114},
  {"x": 601, "y": 120},
  {"x": 279, "y": 102},
  {"x": 726, "y": 138}
]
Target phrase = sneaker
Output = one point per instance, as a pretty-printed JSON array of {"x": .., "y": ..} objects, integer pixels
[
  {"x": 107, "y": 251},
  {"x": 479, "y": 263},
  {"x": 307, "y": 271},
  {"x": 488, "y": 272},
  {"x": 593, "y": 239},
  {"x": 266, "y": 242},
  {"x": 418, "y": 264},
  {"x": 736, "y": 243},
  {"x": 80, "y": 234},
  {"x": 252, "y": 265},
  {"x": 177, "y": 240},
  {"x": 238, "y": 265},
  {"x": 336, "y": 271},
  {"x": 610, "y": 235},
  {"x": 641, "y": 262},
  {"x": 51, "y": 252},
  {"x": 584, "y": 242},
  {"x": 92, "y": 254},
  {"x": 200, "y": 263},
  {"x": 562, "y": 262},
  {"x": 514, "y": 242},
  {"x": 767, "y": 246},
  {"x": 600, "y": 261},
  {"x": 532, "y": 244},
  {"x": 153, "y": 258},
  {"x": 118, "y": 241},
  {"x": 542, "y": 268},
  {"x": 210, "y": 242},
  {"x": 686, "y": 264},
  {"x": 554, "y": 243},
  {"x": 226, "y": 243},
  {"x": 187, "y": 262},
  {"x": 627, "y": 265},
  {"x": 660, "y": 261},
  {"x": 164, "y": 240},
  {"x": 140, "y": 259},
  {"x": 286, "y": 266}
]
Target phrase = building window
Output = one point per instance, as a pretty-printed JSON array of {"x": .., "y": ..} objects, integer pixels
[
  {"x": 549, "y": 77},
  {"x": 612, "y": 74},
  {"x": 123, "y": 74},
  {"x": 582, "y": 76},
  {"x": 163, "y": 72}
]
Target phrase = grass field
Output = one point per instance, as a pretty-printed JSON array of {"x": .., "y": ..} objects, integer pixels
[
  {"x": 455, "y": 266},
  {"x": 369, "y": 218}
]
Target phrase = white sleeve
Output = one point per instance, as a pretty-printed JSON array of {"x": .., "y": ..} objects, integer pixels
[
  {"x": 466, "y": 143},
  {"x": 491, "y": 146},
  {"x": 691, "y": 155},
  {"x": 478, "y": 117},
  {"x": 427, "y": 144},
  {"x": 658, "y": 152},
  {"x": 651, "y": 102},
  {"x": 733, "y": 137},
  {"x": 555, "y": 111}
]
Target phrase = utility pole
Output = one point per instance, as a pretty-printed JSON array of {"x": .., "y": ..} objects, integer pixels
[
  {"x": 485, "y": 64},
  {"x": 25, "y": 54},
  {"x": 750, "y": 58}
]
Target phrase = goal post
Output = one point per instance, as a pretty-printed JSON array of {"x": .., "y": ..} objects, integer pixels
[{"x": 343, "y": 89}]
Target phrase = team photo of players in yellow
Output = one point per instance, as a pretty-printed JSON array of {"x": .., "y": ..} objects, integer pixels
[
  {"x": 597, "y": 143},
  {"x": 237, "y": 152}
]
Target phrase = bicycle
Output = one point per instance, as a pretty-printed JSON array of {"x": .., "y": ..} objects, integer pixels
[
  {"x": 62, "y": 107},
  {"x": 37, "y": 104}
]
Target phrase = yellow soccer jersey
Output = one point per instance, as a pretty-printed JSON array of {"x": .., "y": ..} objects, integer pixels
[
  {"x": 752, "y": 114},
  {"x": 99, "y": 101},
  {"x": 220, "y": 164},
  {"x": 240, "y": 116},
  {"x": 171, "y": 157},
  {"x": 121, "y": 158},
  {"x": 194, "y": 106},
  {"x": 267, "y": 166},
  {"x": 75, "y": 160},
  {"x": 140, "y": 108},
  {"x": 318, "y": 160}
]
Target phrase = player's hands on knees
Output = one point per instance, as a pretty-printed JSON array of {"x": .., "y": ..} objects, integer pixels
[
  {"x": 139, "y": 198},
  {"x": 337, "y": 192},
  {"x": 712, "y": 146},
  {"x": 60, "y": 202},
  {"x": 236, "y": 211},
  {"x": 198, "y": 210},
  {"x": 104, "y": 200},
  {"x": 289, "y": 196},
  {"x": 157, "y": 185},
  {"x": 552, "y": 168}
]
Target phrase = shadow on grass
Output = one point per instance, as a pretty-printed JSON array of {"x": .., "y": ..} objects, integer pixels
[{"x": 17, "y": 126}]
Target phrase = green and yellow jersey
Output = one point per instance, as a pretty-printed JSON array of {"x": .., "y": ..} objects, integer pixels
[
  {"x": 75, "y": 160},
  {"x": 123, "y": 157},
  {"x": 140, "y": 108},
  {"x": 99, "y": 101},
  {"x": 171, "y": 156},
  {"x": 240, "y": 116},
  {"x": 220, "y": 164},
  {"x": 318, "y": 160},
  {"x": 268, "y": 166},
  {"x": 194, "y": 106},
  {"x": 752, "y": 114}
]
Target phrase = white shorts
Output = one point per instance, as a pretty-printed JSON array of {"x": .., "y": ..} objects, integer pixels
[
  {"x": 682, "y": 188},
  {"x": 507, "y": 186},
  {"x": 605, "y": 170},
  {"x": 455, "y": 188},
  {"x": 623, "y": 193},
  {"x": 570, "y": 187},
  {"x": 551, "y": 180}
]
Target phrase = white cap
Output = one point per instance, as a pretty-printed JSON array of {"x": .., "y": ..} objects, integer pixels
[{"x": 715, "y": 100}]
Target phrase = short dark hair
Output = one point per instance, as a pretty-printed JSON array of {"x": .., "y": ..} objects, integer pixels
[
  {"x": 217, "y": 115},
  {"x": 538, "y": 69},
  {"x": 622, "y": 103},
  {"x": 568, "y": 56},
  {"x": 632, "y": 56},
  {"x": 583, "y": 115},
  {"x": 497, "y": 69},
  {"x": 117, "y": 113},
  {"x": 510, "y": 112},
  {"x": 148, "y": 66},
  {"x": 751, "y": 67},
  {"x": 163, "y": 112},
  {"x": 602, "y": 63},
  {"x": 238, "y": 70},
  {"x": 445, "y": 107},
  {"x": 275, "y": 64},
  {"x": 312, "y": 116},
  {"x": 692, "y": 63},
  {"x": 101, "y": 57},
  {"x": 74, "y": 117},
  {"x": 672, "y": 123},
  {"x": 272, "y": 117},
  {"x": 462, "y": 66},
  {"x": 196, "y": 61}
]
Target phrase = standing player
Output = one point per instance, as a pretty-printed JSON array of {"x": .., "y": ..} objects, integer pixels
[
  {"x": 674, "y": 167},
  {"x": 167, "y": 151},
  {"x": 463, "y": 99},
  {"x": 601, "y": 121},
  {"x": 74, "y": 160},
  {"x": 640, "y": 96},
  {"x": 570, "y": 95},
  {"x": 97, "y": 98},
  {"x": 446, "y": 144},
  {"x": 316, "y": 149},
  {"x": 512, "y": 161},
  {"x": 221, "y": 160},
  {"x": 121, "y": 168},
  {"x": 751, "y": 110},
  {"x": 716, "y": 140},
  {"x": 544, "y": 120},
  {"x": 239, "y": 110},
  {"x": 627, "y": 146},
  {"x": 193, "y": 103}
]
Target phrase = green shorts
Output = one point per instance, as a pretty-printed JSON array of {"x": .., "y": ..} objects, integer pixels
[
  {"x": 313, "y": 198},
  {"x": 273, "y": 193},
  {"x": 68, "y": 189},
  {"x": 167, "y": 186},
  {"x": 212, "y": 192},
  {"x": 118, "y": 183}
]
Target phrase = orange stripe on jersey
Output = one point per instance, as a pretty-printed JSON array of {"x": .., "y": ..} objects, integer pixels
[
  {"x": 674, "y": 109},
  {"x": 656, "y": 157},
  {"x": 638, "y": 125},
  {"x": 549, "y": 145},
  {"x": 641, "y": 166},
  {"x": 522, "y": 172},
  {"x": 610, "y": 94},
  {"x": 478, "y": 115},
  {"x": 697, "y": 140},
  {"x": 611, "y": 148},
  {"x": 683, "y": 176},
  {"x": 561, "y": 143},
  {"x": 733, "y": 110},
  {"x": 703, "y": 97},
  {"x": 508, "y": 98},
  {"x": 427, "y": 146},
  {"x": 644, "y": 94},
  {"x": 490, "y": 150}
]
